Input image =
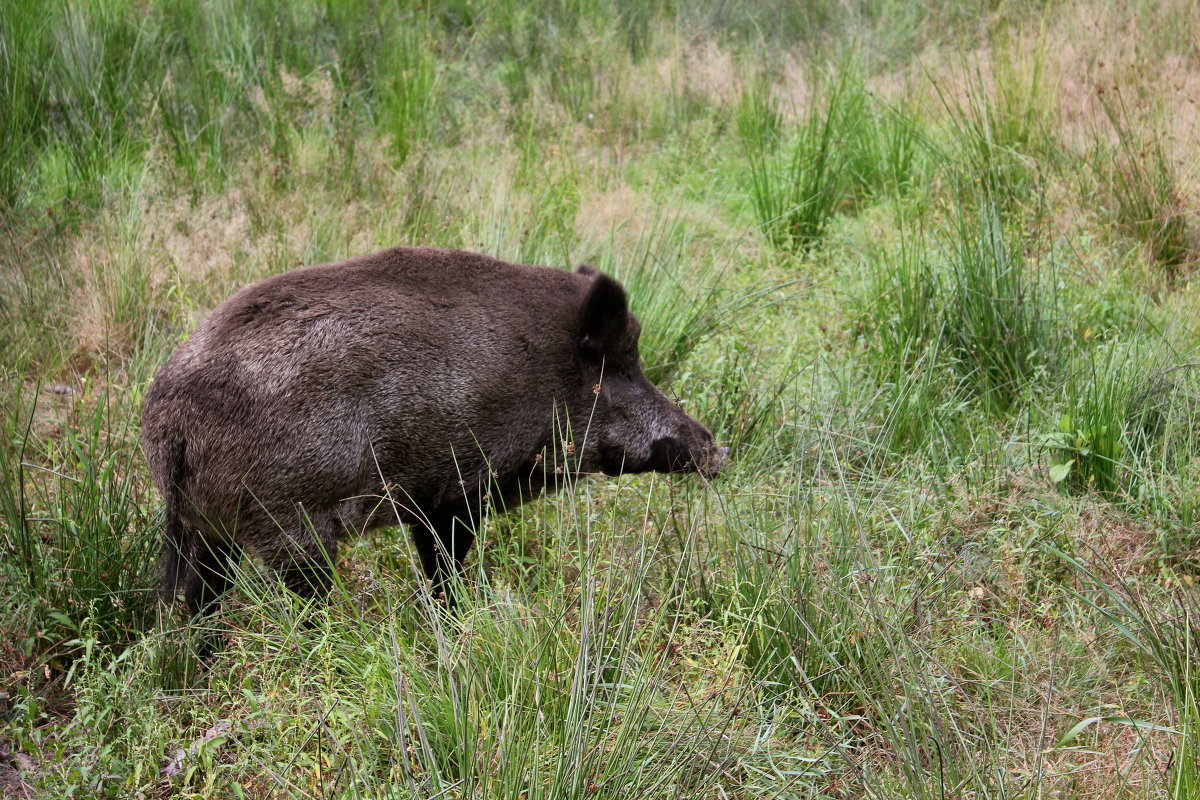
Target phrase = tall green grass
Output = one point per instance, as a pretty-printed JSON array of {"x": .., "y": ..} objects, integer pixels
[
  {"x": 23, "y": 94},
  {"x": 1117, "y": 403},
  {"x": 1126, "y": 430},
  {"x": 797, "y": 191},
  {"x": 837, "y": 603},
  {"x": 999, "y": 309},
  {"x": 849, "y": 147},
  {"x": 1161, "y": 632},
  {"x": 82, "y": 533},
  {"x": 1002, "y": 131},
  {"x": 81, "y": 81},
  {"x": 409, "y": 86},
  {"x": 559, "y": 697},
  {"x": 901, "y": 309},
  {"x": 1144, "y": 185},
  {"x": 968, "y": 304}
]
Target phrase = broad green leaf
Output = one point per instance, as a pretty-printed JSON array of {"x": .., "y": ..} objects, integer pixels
[
  {"x": 1082, "y": 725},
  {"x": 1059, "y": 472}
]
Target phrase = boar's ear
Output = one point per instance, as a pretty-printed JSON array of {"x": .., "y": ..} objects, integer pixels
[{"x": 604, "y": 316}]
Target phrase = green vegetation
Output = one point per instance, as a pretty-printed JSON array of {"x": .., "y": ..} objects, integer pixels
[{"x": 927, "y": 268}]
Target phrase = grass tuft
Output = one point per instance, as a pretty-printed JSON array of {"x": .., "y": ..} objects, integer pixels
[
  {"x": 1145, "y": 187},
  {"x": 998, "y": 313},
  {"x": 798, "y": 186},
  {"x": 850, "y": 147},
  {"x": 82, "y": 535}
]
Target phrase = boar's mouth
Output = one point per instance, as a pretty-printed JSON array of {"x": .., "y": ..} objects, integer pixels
[{"x": 672, "y": 455}]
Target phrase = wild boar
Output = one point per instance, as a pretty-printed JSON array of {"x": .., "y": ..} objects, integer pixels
[{"x": 415, "y": 384}]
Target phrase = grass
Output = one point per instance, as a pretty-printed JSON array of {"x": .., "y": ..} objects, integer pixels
[
  {"x": 929, "y": 286},
  {"x": 1143, "y": 183},
  {"x": 998, "y": 312},
  {"x": 1166, "y": 643},
  {"x": 1117, "y": 406},
  {"x": 81, "y": 535},
  {"x": 1003, "y": 123},
  {"x": 850, "y": 147},
  {"x": 796, "y": 192}
]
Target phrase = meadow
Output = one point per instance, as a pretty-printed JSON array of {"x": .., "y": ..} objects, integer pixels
[{"x": 927, "y": 269}]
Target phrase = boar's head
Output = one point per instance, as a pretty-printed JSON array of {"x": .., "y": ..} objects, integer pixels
[{"x": 633, "y": 427}]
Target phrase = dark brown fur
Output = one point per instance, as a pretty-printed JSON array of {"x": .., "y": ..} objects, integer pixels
[{"x": 449, "y": 377}]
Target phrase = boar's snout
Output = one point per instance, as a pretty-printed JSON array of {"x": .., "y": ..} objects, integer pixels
[{"x": 693, "y": 451}]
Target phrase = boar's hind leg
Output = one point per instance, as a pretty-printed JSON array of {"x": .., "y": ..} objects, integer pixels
[
  {"x": 208, "y": 574},
  {"x": 442, "y": 542}
]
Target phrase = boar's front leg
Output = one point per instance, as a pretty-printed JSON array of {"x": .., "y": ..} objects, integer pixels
[
  {"x": 305, "y": 562},
  {"x": 442, "y": 541}
]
